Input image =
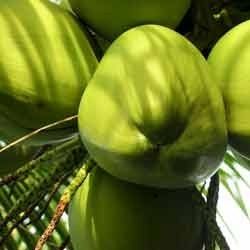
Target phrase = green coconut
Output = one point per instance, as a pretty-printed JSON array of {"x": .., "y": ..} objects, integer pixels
[
  {"x": 229, "y": 60},
  {"x": 110, "y": 18},
  {"x": 152, "y": 113},
  {"x": 46, "y": 62},
  {"x": 109, "y": 214}
]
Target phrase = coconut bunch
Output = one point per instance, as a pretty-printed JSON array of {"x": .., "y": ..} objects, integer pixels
[{"x": 112, "y": 108}]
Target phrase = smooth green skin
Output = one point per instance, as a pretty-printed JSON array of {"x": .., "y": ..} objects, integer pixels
[
  {"x": 229, "y": 60},
  {"x": 46, "y": 62},
  {"x": 152, "y": 113},
  {"x": 109, "y": 214},
  {"x": 111, "y": 18},
  {"x": 15, "y": 157}
]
